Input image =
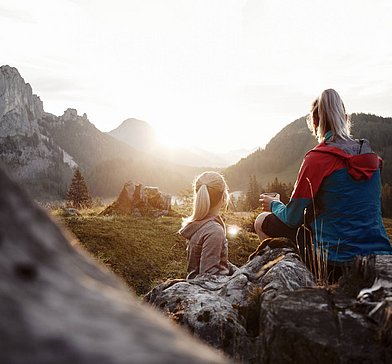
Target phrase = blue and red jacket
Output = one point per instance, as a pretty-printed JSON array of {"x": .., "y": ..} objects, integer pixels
[{"x": 344, "y": 191}]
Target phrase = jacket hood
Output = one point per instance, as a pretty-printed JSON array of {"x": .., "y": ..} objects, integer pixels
[
  {"x": 189, "y": 230},
  {"x": 359, "y": 167}
]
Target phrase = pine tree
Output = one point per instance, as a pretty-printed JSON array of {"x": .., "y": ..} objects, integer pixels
[
  {"x": 253, "y": 193},
  {"x": 78, "y": 195},
  {"x": 281, "y": 188}
]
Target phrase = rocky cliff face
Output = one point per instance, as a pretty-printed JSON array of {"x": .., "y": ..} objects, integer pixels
[
  {"x": 20, "y": 109},
  {"x": 30, "y": 153}
]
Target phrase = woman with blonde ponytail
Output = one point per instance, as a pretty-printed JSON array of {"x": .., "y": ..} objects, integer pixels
[
  {"x": 337, "y": 194},
  {"x": 207, "y": 250}
]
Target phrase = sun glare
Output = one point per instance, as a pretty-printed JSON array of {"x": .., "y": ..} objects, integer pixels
[
  {"x": 233, "y": 230},
  {"x": 171, "y": 140}
]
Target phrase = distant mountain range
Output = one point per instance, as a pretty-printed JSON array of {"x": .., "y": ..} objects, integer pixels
[
  {"x": 41, "y": 149},
  {"x": 140, "y": 135},
  {"x": 283, "y": 155}
]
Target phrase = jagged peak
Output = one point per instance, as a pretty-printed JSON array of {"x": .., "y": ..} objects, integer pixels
[
  {"x": 72, "y": 114},
  {"x": 10, "y": 70}
]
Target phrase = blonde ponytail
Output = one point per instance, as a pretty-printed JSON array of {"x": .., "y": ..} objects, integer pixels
[
  {"x": 332, "y": 115},
  {"x": 209, "y": 188},
  {"x": 201, "y": 203}
]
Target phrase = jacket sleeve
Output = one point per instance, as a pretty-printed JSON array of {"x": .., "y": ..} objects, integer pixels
[
  {"x": 211, "y": 250},
  {"x": 315, "y": 167}
]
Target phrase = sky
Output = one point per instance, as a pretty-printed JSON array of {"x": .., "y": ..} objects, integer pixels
[{"x": 217, "y": 74}]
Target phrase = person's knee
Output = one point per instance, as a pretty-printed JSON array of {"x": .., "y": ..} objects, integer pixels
[{"x": 259, "y": 223}]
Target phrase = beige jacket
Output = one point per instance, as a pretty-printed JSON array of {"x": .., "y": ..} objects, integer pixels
[{"x": 207, "y": 249}]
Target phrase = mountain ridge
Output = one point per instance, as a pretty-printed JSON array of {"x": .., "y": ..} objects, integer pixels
[
  {"x": 142, "y": 136},
  {"x": 41, "y": 149},
  {"x": 283, "y": 155}
]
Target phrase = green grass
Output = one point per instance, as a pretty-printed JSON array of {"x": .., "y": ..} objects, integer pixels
[
  {"x": 145, "y": 251},
  {"x": 388, "y": 227}
]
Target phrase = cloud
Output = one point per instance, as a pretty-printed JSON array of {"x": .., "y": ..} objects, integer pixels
[
  {"x": 58, "y": 86},
  {"x": 16, "y": 15}
]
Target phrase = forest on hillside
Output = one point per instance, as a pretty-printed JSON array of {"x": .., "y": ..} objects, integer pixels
[{"x": 280, "y": 161}]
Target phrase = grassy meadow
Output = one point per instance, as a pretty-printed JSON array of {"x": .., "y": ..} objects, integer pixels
[
  {"x": 145, "y": 251},
  {"x": 388, "y": 227}
]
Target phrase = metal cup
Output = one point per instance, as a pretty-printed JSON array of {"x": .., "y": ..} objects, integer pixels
[{"x": 271, "y": 194}]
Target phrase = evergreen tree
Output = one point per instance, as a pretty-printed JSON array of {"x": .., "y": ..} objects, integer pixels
[
  {"x": 253, "y": 194},
  {"x": 241, "y": 203},
  {"x": 281, "y": 188},
  {"x": 78, "y": 195}
]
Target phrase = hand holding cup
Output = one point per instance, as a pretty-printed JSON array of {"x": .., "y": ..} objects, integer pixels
[{"x": 266, "y": 199}]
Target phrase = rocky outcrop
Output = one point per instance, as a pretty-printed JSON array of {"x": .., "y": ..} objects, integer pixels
[
  {"x": 32, "y": 156},
  {"x": 136, "y": 199},
  {"x": 57, "y": 306},
  {"x": 72, "y": 115},
  {"x": 20, "y": 110},
  {"x": 271, "y": 311}
]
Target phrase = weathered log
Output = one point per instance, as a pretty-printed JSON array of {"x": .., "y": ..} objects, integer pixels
[
  {"x": 57, "y": 306},
  {"x": 271, "y": 311}
]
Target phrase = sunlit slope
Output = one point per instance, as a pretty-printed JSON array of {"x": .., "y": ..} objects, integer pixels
[{"x": 283, "y": 155}]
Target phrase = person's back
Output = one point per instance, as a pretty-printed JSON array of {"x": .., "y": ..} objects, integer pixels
[
  {"x": 338, "y": 188},
  {"x": 207, "y": 250},
  {"x": 207, "y": 247},
  {"x": 348, "y": 203}
]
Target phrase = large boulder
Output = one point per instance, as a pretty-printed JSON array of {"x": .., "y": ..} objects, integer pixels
[
  {"x": 57, "y": 306},
  {"x": 271, "y": 310}
]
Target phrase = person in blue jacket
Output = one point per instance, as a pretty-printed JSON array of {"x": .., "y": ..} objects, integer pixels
[{"x": 338, "y": 185}]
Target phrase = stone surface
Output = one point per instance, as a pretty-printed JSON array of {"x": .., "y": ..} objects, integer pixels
[
  {"x": 137, "y": 200},
  {"x": 271, "y": 311},
  {"x": 57, "y": 306},
  {"x": 19, "y": 108}
]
